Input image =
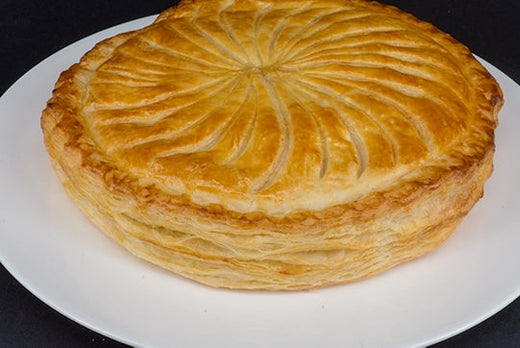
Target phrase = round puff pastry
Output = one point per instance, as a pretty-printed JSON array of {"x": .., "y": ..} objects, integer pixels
[{"x": 275, "y": 144}]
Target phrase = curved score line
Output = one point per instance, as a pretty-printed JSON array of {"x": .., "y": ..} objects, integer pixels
[
  {"x": 408, "y": 89},
  {"x": 228, "y": 29},
  {"x": 425, "y": 136},
  {"x": 173, "y": 53},
  {"x": 359, "y": 145},
  {"x": 290, "y": 51},
  {"x": 279, "y": 28},
  {"x": 413, "y": 89},
  {"x": 211, "y": 140},
  {"x": 292, "y": 40},
  {"x": 246, "y": 140},
  {"x": 229, "y": 64},
  {"x": 321, "y": 130},
  {"x": 212, "y": 41},
  {"x": 260, "y": 14},
  {"x": 282, "y": 156},
  {"x": 165, "y": 96},
  {"x": 336, "y": 43},
  {"x": 171, "y": 134}
]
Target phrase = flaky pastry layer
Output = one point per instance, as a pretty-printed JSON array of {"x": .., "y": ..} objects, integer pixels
[{"x": 275, "y": 144}]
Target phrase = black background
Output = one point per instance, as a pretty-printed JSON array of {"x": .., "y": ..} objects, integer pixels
[{"x": 32, "y": 30}]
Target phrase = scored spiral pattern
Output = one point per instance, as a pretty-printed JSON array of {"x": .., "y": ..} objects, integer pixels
[{"x": 276, "y": 97}]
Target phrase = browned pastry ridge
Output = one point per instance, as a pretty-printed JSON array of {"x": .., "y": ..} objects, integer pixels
[{"x": 275, "y": 144}]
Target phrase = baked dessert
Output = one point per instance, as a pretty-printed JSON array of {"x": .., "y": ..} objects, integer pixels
[{"x": 275, "y": 144}]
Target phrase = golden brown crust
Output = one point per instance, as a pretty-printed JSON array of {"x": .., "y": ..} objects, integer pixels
[{"x": 276, "y": 145}]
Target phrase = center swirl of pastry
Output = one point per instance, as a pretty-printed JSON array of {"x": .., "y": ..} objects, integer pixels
[{"x": 263, "y": 70}]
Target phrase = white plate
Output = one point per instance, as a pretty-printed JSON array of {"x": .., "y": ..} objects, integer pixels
[{"x": 50, "y": 247}]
